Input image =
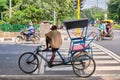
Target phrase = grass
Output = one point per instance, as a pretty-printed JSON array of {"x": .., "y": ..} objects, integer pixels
[{"x": 117, "y": 26}]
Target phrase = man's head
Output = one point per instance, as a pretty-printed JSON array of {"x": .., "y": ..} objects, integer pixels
[{"x": 54, "y": 27}]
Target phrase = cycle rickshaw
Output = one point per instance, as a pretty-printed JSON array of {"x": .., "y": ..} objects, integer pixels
[
  {"x": 80, "y": 53},
  {"x": 108, "y": 30}
]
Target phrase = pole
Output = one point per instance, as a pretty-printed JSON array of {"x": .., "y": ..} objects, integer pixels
[
  {"x": 54, "y": 17},
  {"x": 105, "y": 5},
  {"x": 1, "y": 15},
  {"x": 10, "y": 9},
  {"x": 97, "y": 6},
  {"x": 55, "y": 14},
  {"x": 105, "y": 14},
  {"x": 78, "y": 14},
  {"x": 97, "y": 12},
  {"x": 78, "y": 7}
]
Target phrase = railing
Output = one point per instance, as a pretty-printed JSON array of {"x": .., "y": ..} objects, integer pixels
[{"x": 15, "y": 27}]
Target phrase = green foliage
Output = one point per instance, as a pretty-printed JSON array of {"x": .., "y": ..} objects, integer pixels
[
  {"x": 11, "y": 28},
  {"x": 24, "y": 11},
  {"x": 15, "y": 27},
  {"x": 114, "y": 10},
  {"x": 39, "y": 10},
  {"x": 27, "y": 15},
  {"x": 2, "y": 22},
  {"x": 3, "y": 5}
]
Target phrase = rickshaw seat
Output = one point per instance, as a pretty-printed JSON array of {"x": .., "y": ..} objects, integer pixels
[{"x": 79, "y": 47}]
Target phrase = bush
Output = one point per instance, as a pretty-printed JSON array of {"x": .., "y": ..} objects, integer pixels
[{"x": 12, "y": 28}]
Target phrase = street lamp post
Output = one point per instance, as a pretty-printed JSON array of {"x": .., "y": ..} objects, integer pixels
[
  {"x": 97, "y": 12},
  {"x": 10, "y": 9},
  {"x": 54, "y": 17},
  {"x": 105, "y": 14},
  {"x": 97, "y": 6},
  {"x": 1, "y": 15}
]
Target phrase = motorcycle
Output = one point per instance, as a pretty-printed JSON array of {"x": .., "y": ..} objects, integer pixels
[{"x": 23, "y": 37}]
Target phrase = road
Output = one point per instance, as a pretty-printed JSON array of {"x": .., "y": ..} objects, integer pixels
[
  {"x": 113, "y": 45},
  {"x": 9, "y": 54},
  {"x": 107, "y": 65}
]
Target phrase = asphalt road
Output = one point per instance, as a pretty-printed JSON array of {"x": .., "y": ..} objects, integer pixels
[
  {"x": 9, "y": 54},
  {"x": 113, "y": 45},
  {"x": 107, "y": 66}
]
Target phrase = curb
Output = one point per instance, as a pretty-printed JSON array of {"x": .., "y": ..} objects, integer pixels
[
  {"x": 53, "y": 77},
  {"x": 4, "y": 40},
  {"x": 7, "y": 39}
]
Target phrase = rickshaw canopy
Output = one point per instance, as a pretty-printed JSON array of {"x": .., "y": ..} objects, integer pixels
[
  {"x": 76, "y": 23},
  {"x": 109, "y": 21}
]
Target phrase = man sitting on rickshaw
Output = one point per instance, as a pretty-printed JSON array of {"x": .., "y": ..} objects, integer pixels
[{"x": 108, "y": 28}]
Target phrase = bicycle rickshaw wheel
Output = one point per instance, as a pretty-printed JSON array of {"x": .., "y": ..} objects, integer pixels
[
  {"x": 111, "y": 36},
  {"x": 81, "y": 53},
  {"x": 18, "y": 40},
  {"x": 28, "y": 62},
  {"x": 83, "y": 65}
]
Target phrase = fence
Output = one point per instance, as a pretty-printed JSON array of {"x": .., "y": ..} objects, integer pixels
[{"x": 15, "y": 27}]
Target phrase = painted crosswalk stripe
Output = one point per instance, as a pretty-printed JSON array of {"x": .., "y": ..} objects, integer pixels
[{"x": 105, "y": 65}]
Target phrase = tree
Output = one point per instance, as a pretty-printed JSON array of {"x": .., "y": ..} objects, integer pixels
[
  {"x": 91, "y": 13},
  {"x": 114, "y": 10},
  {"x": 3, "y": 6},
  {"x": 39, "y": 10}
]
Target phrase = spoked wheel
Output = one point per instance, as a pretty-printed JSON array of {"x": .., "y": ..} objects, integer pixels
[
  {"x": 18, "y": 40},
  {"x": 111, "y": 36},
  {"x": 28, "y": 62},
  {"x": 99, "y": 38},
  {"x": 96, "y": 38},
  {"x": 83, "y": 65}
]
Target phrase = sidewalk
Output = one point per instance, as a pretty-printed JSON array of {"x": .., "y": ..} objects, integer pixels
[{"x": 52, "y": 77}]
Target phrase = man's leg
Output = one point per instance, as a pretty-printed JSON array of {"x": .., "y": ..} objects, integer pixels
[
  {"x": 53, "y": 54},
  {"x": 52, "y": 57},
  {"x": 28, "y": 35}
]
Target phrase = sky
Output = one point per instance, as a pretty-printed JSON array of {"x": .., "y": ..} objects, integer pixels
[{"x": 91, "y": 3}]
